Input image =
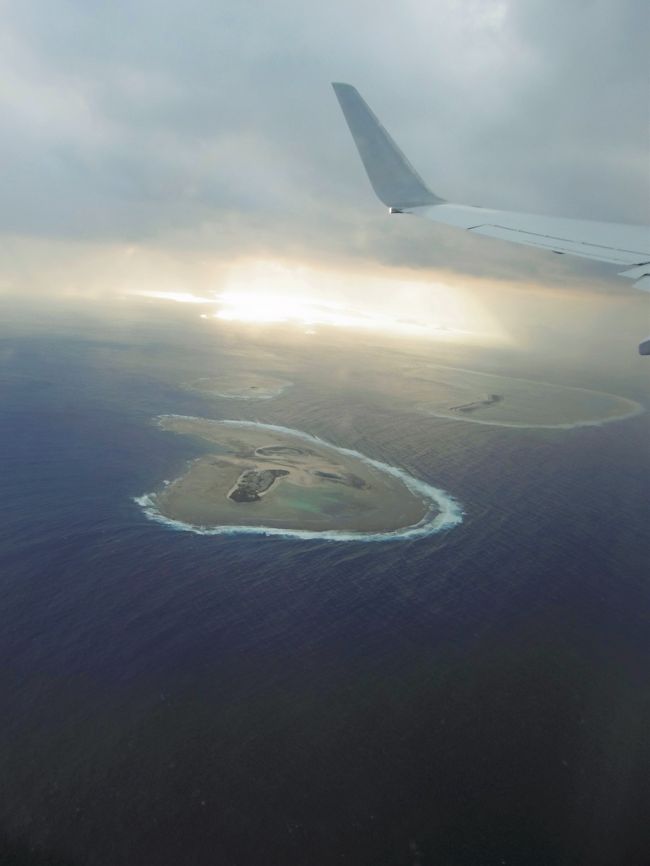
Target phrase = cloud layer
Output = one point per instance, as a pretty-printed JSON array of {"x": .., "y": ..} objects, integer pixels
[{"x": 210, "y": 126}]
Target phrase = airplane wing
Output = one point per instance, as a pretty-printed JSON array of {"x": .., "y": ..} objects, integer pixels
[{"x": 401, "y": 188}]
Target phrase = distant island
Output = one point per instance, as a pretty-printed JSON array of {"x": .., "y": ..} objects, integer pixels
[
  {"x": 271, "y": 479},
  {"x": 240, "y": 386},
  {"x": 477, "y": 397},
  {"x": 490, "y": 400}
]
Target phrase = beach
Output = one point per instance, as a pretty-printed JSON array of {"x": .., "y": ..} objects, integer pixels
[{"x": 274, "y": 480}]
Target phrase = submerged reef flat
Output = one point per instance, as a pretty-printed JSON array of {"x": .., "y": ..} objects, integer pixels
[
  {"x": 240, "y": 386},
  {"x": 273, "y": 480},
  {"x": 490, "y": 400},
  {"x": 505, "y": 401}
]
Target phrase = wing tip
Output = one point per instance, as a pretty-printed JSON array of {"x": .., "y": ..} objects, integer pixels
[
  {"x": 342, "y": 89},
  {"x": 394, "y": 180}
]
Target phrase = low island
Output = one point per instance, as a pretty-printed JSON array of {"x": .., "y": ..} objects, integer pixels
[
  {"x": 476, "y": 397},
  {"x": 274, "y": 480},
  {"x": 490, "y": 400},
  {"x": 240, "y": 386}
]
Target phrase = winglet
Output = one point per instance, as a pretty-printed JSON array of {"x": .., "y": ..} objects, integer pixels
[{"x": 392, "y": 176}]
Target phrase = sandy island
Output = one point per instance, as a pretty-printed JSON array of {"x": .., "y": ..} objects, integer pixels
[
  {"x": 240, "y": 386},
  {"x": 279, "y": 481},
  {"x": 507, "y": 401}
]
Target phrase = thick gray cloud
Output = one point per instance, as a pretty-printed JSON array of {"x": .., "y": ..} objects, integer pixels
[{"x": 211, "y": 124}]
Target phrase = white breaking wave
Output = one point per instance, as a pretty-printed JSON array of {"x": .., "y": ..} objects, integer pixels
[
  {"x": 635, "y": 409},
  {"x": 445, "y": 512},
  {"x": 277, "y": 393},
  {"x": 525, "y": 425}
]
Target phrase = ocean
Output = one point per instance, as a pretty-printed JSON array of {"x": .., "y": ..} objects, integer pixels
[{"x": 472, "y": 697}]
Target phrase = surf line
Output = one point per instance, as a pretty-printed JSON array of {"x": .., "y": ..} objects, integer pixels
[
  {"x": 637, "y": 410},
  {"x": 444, "y": 512}
]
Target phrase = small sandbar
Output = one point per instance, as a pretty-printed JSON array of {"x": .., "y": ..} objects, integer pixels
[
  {"x": 504, "y": 401},
  {"x": 240, "y": 386},
  {"x": 273, "y": 480}
]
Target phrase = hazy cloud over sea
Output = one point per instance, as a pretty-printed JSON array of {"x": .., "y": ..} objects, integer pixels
[{"x": 210, "y": 129}]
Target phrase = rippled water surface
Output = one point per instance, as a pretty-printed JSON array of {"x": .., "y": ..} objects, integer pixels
[{"x": 475, "y": 696}]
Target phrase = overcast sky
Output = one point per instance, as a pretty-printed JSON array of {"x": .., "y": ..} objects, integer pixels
[{"x": 209, "y": 128}]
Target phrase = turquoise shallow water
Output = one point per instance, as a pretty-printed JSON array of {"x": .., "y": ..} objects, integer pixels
[
  {"x": 316, "y": 503},
  {"x": 444, "y": 511},
  {"x": 471, "y": 696}
]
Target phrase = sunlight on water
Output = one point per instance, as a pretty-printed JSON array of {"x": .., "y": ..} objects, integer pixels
[{"x": 267, "y": 292}]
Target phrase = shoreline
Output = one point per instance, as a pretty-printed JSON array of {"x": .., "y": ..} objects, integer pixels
[
  {"x": 281, "y": 385},
  {"x": 444, "y": 512},
  {"x": 638, "y": 410}
]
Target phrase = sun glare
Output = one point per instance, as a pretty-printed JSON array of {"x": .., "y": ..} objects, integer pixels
[
  {"x": 269, "y": 307},
  {"x": 179, "y": 297},
  {"x": 268, "y": 292}
]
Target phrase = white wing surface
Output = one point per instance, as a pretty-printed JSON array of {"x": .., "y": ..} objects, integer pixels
[{"x": 400, "y": 187}]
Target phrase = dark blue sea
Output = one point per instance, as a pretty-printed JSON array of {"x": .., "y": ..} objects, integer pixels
[{"x": 478, "y": 697}]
